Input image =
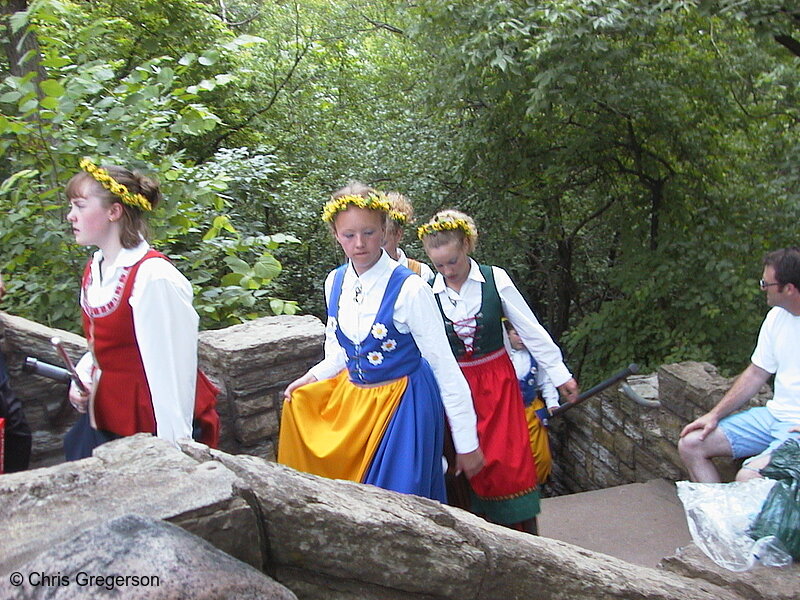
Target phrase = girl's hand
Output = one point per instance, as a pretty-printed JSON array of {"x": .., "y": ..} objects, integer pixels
[
  {"x": 299, "y": 382},
  {"x": 470, "y": 463},
  {"x": 79, "y": 400},
  {"x": 569, "y": 390}
]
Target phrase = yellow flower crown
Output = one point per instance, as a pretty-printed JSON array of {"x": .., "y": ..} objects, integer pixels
[
  {"x": 396, "y": 215},
  {"x": 448, "y": 225},
  {"x": 375, "y": 201},
  {"x": 103, "y": 178}
]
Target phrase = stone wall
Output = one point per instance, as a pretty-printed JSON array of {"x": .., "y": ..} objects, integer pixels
[
  {"x": 320, "y": 538},
  {"x": 251, "y": 364},
  {"x": 610, "y": 440}
]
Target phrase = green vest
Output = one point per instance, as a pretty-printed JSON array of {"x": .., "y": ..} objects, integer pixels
[{"x": 488, "y": 322}]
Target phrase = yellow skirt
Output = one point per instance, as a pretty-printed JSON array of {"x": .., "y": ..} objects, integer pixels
[
  {"x": 332, "y": 427},
  {"x": 540, "y": 444}
]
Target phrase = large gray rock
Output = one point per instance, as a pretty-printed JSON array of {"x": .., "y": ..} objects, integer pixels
[
  {"x": 136, "y": 557},
  {"x": 322, "y": 539},
  {"x": 343, "y": 540},
  {"x": 766, "y": 583},
  {"x": 249, "y": 349},
  {"x": 140, "y": 475}
]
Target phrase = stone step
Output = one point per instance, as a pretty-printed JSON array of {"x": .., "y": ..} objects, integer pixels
[{"x": 640, "y": 522}]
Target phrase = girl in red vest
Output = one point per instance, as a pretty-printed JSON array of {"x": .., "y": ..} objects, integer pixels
[
  {"x": 141, "y": 368},
  {"x": 473, "y": 299}
]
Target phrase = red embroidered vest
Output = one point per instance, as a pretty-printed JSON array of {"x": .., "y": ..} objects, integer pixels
[{"x": 122, "y": 402}]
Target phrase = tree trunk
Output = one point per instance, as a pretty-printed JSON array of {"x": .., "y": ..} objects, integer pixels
[
  {"x": 656, "y": 201},
  {"x": 19, "y": 43},
  {"x": 564, "y": 288}
]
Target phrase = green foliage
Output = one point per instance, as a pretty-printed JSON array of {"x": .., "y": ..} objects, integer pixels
[
  {"x": 142, "y": 120},
  {"x": 628, "y": 163},
  {"x": 603, "y": 139}
]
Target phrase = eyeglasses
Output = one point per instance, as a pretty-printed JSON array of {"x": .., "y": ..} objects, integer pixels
[{"x": 764, "y": 285}]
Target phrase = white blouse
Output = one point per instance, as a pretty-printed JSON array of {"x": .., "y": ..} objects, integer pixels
[
  {"x": 521, "y": 359},
  {"x": 425, "y": 271},
  {"x": 460, "y": 306},
  {"x": 415, "y": 312},
  {"x": 166, "y": 332}
]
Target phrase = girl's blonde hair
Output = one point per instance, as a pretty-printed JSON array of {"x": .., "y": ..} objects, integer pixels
[
  {"x": 447, "y": 226},
  {"x": 401, "y": 214},
  {"x": 375, "y": 200}
]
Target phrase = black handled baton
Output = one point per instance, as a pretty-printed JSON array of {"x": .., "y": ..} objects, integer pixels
[
  {"x": 631, "y": 369},
  {"x": 37, "y": 367}
]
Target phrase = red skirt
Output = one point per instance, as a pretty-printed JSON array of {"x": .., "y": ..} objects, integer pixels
[{"x": 509, "y": 474}]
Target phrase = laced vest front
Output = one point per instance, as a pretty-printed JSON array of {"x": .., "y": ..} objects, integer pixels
[{"x": 486, "y": 325}]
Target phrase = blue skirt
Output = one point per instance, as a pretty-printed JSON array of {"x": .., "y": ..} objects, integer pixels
[{"x": 409, "y": 457}]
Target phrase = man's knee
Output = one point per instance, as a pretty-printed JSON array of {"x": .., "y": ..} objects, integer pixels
[
  {"x": 747, "y": 473},
  {"x": 691, "y": 446},
  {"x": 752, "y": 469}
]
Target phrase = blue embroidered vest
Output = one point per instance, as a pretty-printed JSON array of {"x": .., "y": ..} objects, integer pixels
[
  {"x": 527, "y": 383},
  {"x": 385, "y": 353}
]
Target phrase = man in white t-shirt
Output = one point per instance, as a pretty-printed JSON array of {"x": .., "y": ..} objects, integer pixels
[{"x": 757, "y": 431}]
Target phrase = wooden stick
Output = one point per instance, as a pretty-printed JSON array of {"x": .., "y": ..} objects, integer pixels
[{"x": 56, "y": 341}]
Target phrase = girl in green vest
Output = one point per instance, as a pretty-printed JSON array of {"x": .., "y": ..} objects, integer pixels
[{"x": 473, "y": 299}]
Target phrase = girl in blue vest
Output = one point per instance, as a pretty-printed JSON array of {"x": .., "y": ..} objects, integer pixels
[
  {"x": 373, "y": 409},
  {"x": 539, "y": 397},
  {"x": 473, "y": 299}
]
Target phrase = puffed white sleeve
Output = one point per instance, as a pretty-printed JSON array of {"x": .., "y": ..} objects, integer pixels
[
  {"x": 166, "y": 332},
  {"x": 84, "y": 368},
  {"x": 547, "y": 389},
  {"x": 421, "y": 314},
  {"x": 534, "y": 336},
  {"x": 426, "y": 273},
  {"x": 335, "y": 359}
]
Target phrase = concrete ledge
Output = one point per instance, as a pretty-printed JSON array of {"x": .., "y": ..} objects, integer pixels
[{"x": 640, "y": 522}]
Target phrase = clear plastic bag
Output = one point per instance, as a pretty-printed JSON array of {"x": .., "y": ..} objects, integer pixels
[{"x": 719, "y": 516}]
